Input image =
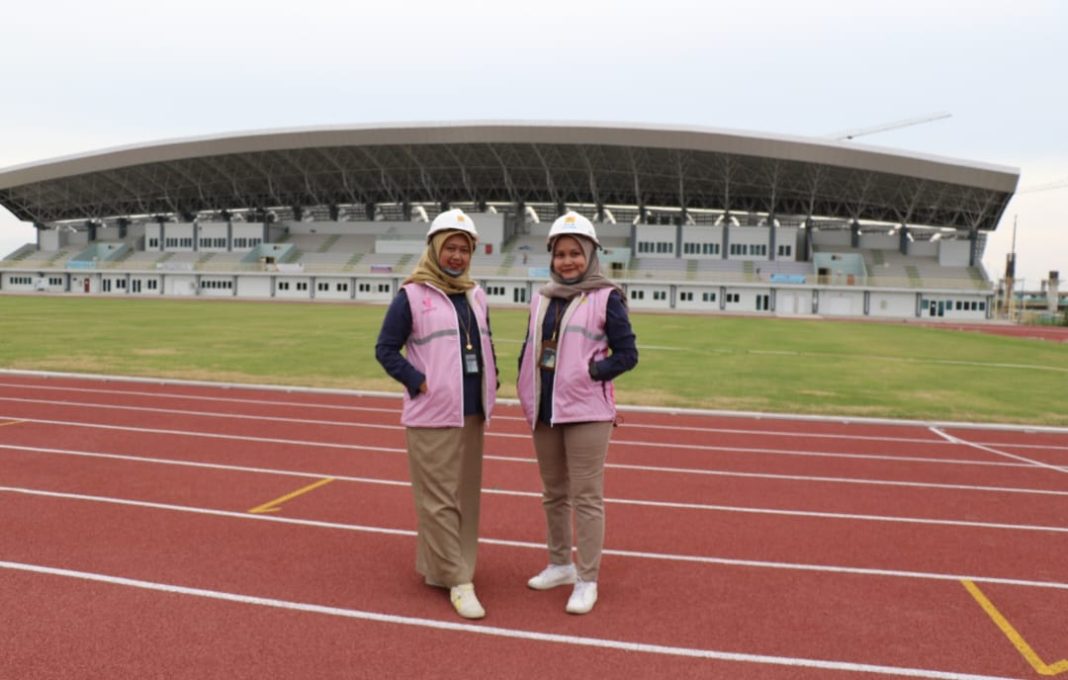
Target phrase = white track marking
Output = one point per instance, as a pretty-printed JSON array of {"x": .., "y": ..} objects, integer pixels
[
  {"x": 983, "y": 447},
  {"x": 221, "y": 387},
  {"x": 530, "y": 460},
  {"x": 494, "y": 631},
  {"x": 524, "y": 437},
  {"x": 535, "y": 494},
  {"x": 671, "y": 557}
]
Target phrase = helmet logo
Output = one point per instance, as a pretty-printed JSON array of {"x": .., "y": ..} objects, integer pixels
[{"x": 459, "y": 218}]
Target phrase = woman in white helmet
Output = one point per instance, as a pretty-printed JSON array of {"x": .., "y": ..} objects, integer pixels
[
  {"x": 449, "y": 371},
  {"x": 578, "y": 339}
]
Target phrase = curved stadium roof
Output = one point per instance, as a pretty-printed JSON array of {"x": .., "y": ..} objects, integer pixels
[{"x": 512, "y": 162}]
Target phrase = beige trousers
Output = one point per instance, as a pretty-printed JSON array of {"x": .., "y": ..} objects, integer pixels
[
  {"x": 446, "y": 471},
  {"x": 571, "y": 460}
]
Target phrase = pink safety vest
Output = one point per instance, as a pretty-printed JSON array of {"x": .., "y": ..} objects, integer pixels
[
  {"x": 432, "y": 348},
  {"x": 577, "y": 398}
]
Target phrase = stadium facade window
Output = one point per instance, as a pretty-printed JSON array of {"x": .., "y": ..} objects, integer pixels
[
  {"x": 55, "y": 281},
  {"x": 637, "y": 295},
  {"x": 342, "y": 287},
  {"x": 659, "y": 295},
  {"x": 785, "y": 251},
  {"x": 302, "y": 285},
  {"x": 710, "y": 249},
  {"x": 383, "y": 288},
  {"x": 708, "y": 296},
  {"x": 152, "y": 284},
  {"x": 733, "y": 297},
  {"x": 153, "y": 243},
  {"x": 283, "y": 285},
  {"x": 365, "y": 288},
  {"x": 323, "y": 286},
  {"x": 763, "y": 303},
  {"x": 686, "y": 296}
]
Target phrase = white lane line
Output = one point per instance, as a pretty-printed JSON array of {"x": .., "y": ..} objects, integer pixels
[
  {"x": 1005, "y": 454},
  {"x": 627, "y": 467},
  {"x": 670, "y": 557},
  {"x": 615, "y": 442},
  {"x": 494, "y": 631},
  {"x": 535, "y": 494},
  {"x": 674, "y": 428}
]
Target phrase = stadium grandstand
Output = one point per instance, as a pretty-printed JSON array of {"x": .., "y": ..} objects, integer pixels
[{"x": 692, "y": 219}]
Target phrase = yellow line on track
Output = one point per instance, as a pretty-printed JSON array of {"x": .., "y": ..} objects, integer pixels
[
  {"x": 272, "y": 506},
  {"x": 1040, "y": 666}
]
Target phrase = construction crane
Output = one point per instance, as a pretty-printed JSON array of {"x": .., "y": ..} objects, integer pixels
[{"x": 859, "y": 132}]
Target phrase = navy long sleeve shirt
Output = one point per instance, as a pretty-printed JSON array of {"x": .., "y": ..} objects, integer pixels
[{"x": 397, "y": 326}]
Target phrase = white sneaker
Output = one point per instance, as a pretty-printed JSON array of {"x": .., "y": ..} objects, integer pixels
[
  {"x": 583, "y": 597},
  {"x": 465, "y": 602},
  {"x": 553, "y": 575}
]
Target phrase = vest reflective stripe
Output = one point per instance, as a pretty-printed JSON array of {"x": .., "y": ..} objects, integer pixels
[
  {"x": 577, "y": 398},
  {"x": 433, "y": 349}
]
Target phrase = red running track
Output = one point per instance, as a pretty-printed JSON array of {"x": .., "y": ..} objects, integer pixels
[{"x": 736, "y": 548}]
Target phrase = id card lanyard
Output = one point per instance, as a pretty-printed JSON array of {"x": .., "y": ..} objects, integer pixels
[
  {"x": 547, "y": 360},
  {"x": 470, "y": 356}
]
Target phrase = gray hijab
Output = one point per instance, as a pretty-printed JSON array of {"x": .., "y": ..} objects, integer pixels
[{"x": 590, "y": 280}]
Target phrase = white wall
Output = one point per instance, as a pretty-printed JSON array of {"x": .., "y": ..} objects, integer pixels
[
  {"x": 923, "y": 249},
  {"x": 254, "y": 286},
  {"x": 293, "y": 287},
  {"x": 506, "y": 292},
  {"x": 702, "y": 235},
  {"x": 954, "y": 253},
  {"x": 698, "y": 302},
  {"x": 181, "y": 285},
  {"x": 645, "y": 296},
  {"x": 791, "y": 302},
  {"x": 833, "y": 237},
  {"x": 786, "y": 236},
  {"x": 880, "y": 241},
  {"x": 655, "y": 233},
  {"x": 896, "y": 305},
  {"x": 216, "y": 286},
  {"x": 213, "y": 231},
  {"x": 333, "y": 288},
  {"x": 370, "y": 289},
  {"x": 841, "y": 303},
  {"x": 738, "y": 299}
]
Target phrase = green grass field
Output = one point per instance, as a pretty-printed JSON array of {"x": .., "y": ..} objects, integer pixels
[{"x": 894, "y": 370}]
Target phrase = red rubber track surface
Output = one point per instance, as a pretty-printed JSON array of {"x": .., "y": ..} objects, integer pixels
[{"x": 736, "y": 548}]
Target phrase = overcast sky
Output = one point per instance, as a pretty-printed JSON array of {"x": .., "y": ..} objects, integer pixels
[{"x": 82, "y": 77}]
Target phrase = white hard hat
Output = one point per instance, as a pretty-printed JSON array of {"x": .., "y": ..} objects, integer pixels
[
  {"x": 452, "y": 220},
  {"x": 572, "y": 224}
]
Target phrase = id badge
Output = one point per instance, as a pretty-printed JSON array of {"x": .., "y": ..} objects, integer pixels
[
  {"x": 547, "y": 360},
  {"x": 470, "y": 363}
]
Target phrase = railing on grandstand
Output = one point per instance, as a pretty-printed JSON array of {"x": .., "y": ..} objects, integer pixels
[{"x": 962, "y": 279}]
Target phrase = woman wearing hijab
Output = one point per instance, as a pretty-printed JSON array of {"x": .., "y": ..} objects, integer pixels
[
  {"x": 449, "y": 371},
  {"x": 578, "y": 340}
]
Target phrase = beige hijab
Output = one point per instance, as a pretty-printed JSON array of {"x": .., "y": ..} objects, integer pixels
[{"x": 427, "y": 270}]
